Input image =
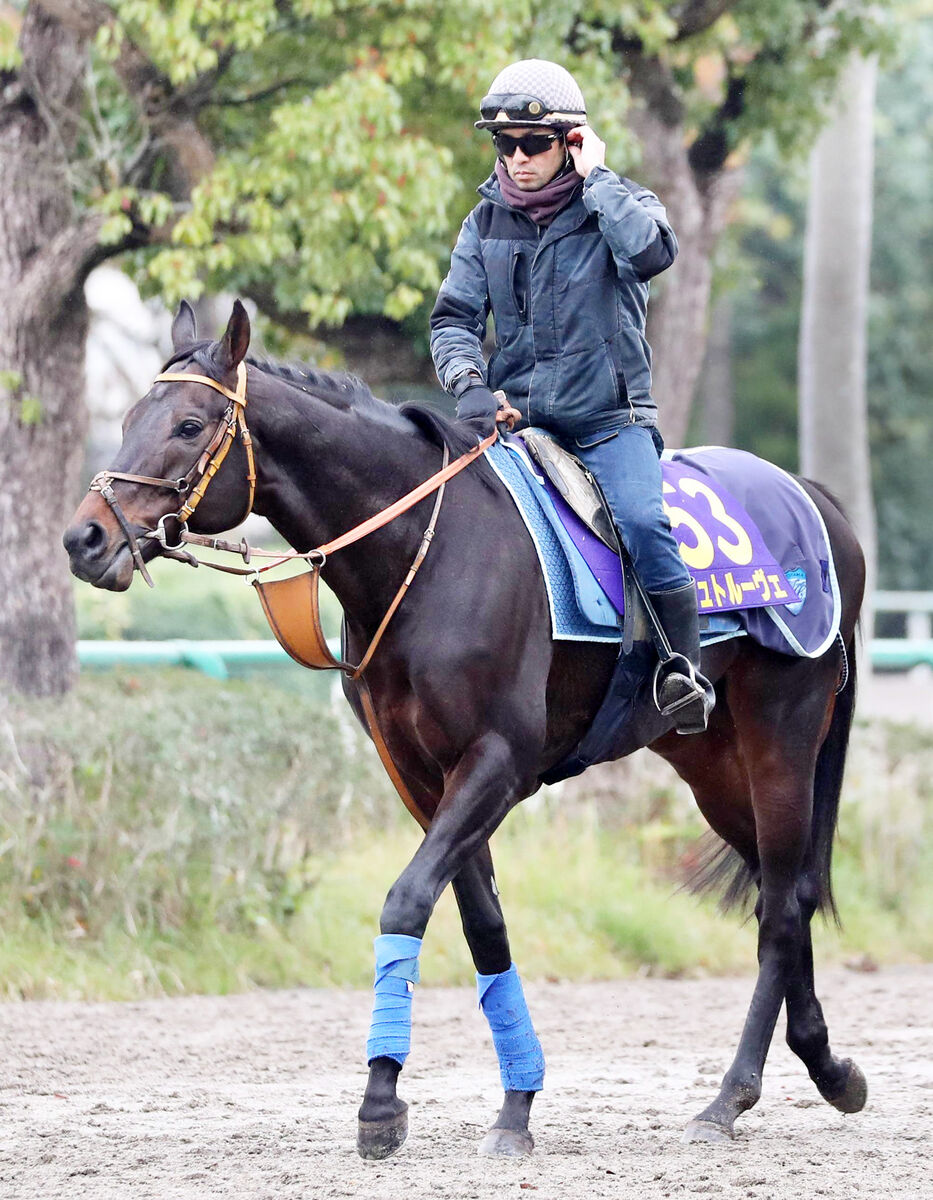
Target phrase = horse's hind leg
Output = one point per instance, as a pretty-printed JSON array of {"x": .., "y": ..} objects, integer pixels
[
  {"x": 777, "y": 742},
  {"x": 839, "y": 1080},
  {"x": 484, "y": 928}
]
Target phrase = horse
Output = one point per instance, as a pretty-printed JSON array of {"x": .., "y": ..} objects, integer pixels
[{"x": 475, "y": 701}]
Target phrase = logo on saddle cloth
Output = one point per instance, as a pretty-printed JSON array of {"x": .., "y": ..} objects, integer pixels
[{"x": 718, "y": 540}]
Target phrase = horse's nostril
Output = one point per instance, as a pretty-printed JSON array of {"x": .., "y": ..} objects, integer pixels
[
  {"x": 93, "y": 536},
  {"x": 87, "y": 539}
]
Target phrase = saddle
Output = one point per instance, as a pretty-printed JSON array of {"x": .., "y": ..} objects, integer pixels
[
  {"x": 576, "y": 485},
  {"x": 578, "y": 488}
]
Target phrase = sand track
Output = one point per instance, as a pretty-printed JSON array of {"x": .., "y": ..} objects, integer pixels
[{"x": 255, "y": 1096}]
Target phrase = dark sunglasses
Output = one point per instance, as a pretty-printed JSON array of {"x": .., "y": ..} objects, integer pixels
[
  {"x": 530, "y": 144},
  {"x": 517, "y": 108}
]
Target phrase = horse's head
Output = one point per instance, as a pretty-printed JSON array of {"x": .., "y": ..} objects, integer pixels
[{"x": 174, "y": 440}]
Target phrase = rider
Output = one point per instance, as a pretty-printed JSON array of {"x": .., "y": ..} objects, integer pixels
[{"x": 560, "y": 249}]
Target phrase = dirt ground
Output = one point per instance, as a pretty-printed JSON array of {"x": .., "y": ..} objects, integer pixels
[{"x": 255, "y": 1097}]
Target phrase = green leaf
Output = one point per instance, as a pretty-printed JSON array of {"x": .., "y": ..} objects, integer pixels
[
  {"x": 11, "y": 381},
  {"x": 30, "y": 410},
  {"x": 114, "y": 229}
]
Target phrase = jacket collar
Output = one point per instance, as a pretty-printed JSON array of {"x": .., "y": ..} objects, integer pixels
[{"x": 566, "y": 221}]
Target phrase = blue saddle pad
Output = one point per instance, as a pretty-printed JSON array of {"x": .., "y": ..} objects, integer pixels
[{"x": 751, "y": 537}]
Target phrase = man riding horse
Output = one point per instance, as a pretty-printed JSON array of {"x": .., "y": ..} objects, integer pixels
[{"x": 560, "y": 249}]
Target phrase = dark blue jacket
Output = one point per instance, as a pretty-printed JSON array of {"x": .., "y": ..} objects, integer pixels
[{"x": 568, "y": 301}]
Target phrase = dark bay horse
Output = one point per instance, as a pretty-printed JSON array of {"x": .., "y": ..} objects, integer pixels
[{"x": 476, "y": 702}]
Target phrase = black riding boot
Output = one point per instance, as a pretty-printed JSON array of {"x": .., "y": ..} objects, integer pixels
[{"x": 681, "y": 690}]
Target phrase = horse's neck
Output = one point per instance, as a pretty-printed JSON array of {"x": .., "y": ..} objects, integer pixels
[{"x": 324, "y": 471}]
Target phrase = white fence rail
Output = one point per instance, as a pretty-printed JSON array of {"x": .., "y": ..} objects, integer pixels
[{"x": 918, "y": 607}]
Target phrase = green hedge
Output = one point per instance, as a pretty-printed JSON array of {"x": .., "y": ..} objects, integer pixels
[{"x": 160, "y": 831}]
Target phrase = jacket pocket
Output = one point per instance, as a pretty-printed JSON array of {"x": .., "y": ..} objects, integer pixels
[
  {"x": 618, "y": 375},
  {"x": 596, "y": 439}
]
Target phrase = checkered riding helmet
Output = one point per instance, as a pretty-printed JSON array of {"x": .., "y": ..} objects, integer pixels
[{"x": 533, "y": 92}]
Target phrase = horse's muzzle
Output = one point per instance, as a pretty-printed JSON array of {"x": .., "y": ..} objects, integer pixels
[{"x": 94, "y": 559}]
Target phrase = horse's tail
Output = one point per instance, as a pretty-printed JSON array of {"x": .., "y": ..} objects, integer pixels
[{"x": 720, "y": 868}]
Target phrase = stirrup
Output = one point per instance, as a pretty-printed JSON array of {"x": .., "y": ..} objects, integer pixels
[{"x": 694, "y": 707}]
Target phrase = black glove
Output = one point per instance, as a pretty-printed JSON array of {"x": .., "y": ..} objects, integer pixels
[{"x": 476, "y": 404}]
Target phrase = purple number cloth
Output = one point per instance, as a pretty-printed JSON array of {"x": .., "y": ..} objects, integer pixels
[{"x": 752, "y": 538}]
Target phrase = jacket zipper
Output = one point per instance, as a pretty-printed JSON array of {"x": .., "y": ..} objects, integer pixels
[{"x": 518, "y": 296}]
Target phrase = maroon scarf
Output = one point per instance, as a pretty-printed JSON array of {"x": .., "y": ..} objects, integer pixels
[{"x": 544, "y": 204}]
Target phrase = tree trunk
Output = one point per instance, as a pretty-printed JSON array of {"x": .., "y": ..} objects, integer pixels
[
  {"x": 715, "y": 396},
  {"x": 833, "y": 333},
  {"x": 698, "y": 198},
  {"x": 43, "y": 326}
]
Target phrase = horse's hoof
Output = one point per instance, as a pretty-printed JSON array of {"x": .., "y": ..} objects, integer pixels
[
  {"x": 707, "y": 1131},
  {"x": 854, "y": 1094},
  {"x": 507, "y": 1143},
  {"x": 379, "y": 1139}
]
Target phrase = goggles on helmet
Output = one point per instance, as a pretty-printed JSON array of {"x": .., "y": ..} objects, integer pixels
[
  {"x": 516, "y": 108},
  {"x": 497, "y": 111},
  {"x": 530, "y": 144}
]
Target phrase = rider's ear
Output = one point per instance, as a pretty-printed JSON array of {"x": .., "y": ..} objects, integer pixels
[
  {"x": 184, "y": 327},
  {"x": 232, "y": 347}
]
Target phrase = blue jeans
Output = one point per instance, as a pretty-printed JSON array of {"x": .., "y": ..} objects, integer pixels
[{"x": 625, "y": 461}]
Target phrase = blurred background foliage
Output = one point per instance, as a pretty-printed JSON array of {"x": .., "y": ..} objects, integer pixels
[{"x": 759, "y": 278}]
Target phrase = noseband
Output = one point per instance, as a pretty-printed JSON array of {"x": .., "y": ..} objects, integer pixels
[{"x": 194, "y": 484}]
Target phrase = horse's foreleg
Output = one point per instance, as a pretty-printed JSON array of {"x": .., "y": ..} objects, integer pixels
[
  {"x": 479, "y": 792},
  {"x": 839, "y": 1080},
  {"x": 521, "y": 1061},
  {"x": 782, "y": 816}
]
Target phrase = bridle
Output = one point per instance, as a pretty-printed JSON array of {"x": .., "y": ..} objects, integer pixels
[{"x": 194, "y": 483}]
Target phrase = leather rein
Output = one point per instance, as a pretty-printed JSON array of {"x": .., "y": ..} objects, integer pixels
[{"x": 195, "y": 483}]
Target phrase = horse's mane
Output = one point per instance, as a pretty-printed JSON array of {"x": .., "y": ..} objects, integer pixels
[
  {"x": 349, "y": 392},
  {"x": 333, "y": 387},
  {"x": 339, "y": 388}
]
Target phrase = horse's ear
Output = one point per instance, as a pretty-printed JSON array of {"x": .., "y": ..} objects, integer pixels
[
  {"x": 231, "y": 349},
  {"x": 184, "y": 327}
]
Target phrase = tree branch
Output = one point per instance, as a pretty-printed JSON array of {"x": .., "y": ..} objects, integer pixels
[
  {"x": 698, "y": 15},
  {"x": 255, "y": 97},
  {"x": 168, "y": 112},
  {"x": 651, "y": 80},
  {"x": 711, "y": 147},
  {"x": 64, "y": 263}
]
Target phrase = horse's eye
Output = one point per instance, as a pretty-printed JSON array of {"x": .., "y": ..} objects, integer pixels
[{"x": 188, "y": 429}]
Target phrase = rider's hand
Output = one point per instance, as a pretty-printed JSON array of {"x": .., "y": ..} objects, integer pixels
[
  {"x": 477, "y": 405},
  {"x": 507, "y": 415},
  {"x": 586, "y": 149}
]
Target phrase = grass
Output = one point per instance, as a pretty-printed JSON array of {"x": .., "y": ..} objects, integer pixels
[{"x": 163, "y": 833}]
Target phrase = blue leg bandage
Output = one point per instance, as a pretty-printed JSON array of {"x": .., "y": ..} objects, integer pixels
[
  {"x": 396, "y": 973},
  {"x": 521, "y": 1061}
]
